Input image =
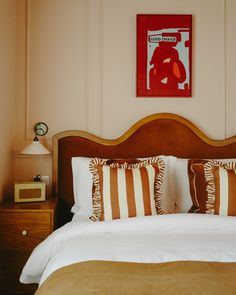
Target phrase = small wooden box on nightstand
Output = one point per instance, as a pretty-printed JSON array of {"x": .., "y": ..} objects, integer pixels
[{"x": 22, "y": 227}]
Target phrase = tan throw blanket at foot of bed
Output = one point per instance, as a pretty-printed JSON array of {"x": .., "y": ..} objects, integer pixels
[{"x": 117, "y": 278}]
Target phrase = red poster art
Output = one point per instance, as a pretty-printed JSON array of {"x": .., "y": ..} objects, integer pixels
[{"x": 164, "y": 47}]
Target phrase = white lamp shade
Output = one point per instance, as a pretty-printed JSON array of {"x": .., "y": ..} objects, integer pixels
[{"x": 35, "y": 148}]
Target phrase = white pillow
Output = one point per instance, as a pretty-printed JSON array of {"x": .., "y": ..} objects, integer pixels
[
  {"x": 82, "y": 185},
  {"x": 181, "y": 192}
]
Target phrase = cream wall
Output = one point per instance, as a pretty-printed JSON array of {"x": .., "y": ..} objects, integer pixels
[
  {"x": 7, "y": 91},
  {"x": 81, "y": 63}
]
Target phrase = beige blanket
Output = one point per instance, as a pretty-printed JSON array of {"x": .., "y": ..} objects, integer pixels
[{"x": 117, "y": 278}]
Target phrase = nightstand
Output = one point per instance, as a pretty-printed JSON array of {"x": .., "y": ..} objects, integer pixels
[{"x": 22, "y": 227}]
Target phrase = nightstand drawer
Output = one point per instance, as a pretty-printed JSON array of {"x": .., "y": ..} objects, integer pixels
[{"x": 23, "y": 230}]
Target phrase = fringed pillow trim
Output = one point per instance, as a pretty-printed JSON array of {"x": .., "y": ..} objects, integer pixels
[
  {"x": 211, "y": 187},
  {"x": 97, "y": 206}
]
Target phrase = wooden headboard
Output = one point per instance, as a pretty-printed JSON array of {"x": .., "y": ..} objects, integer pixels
[{"x": 158, "y": 134}]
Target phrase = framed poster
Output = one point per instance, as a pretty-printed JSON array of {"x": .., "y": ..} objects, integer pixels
[{"x": 164, "y": 55}]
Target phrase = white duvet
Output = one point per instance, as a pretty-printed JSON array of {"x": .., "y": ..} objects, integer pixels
[{"x": 160, "y": 238}]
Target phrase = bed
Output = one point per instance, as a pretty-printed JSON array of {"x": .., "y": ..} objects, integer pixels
[{"x": 179, "y": 239}]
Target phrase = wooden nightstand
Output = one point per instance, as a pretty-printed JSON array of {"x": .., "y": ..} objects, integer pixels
[{"x": 22, "y": 227}]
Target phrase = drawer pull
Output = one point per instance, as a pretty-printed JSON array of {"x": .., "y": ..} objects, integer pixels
[{"x": 24, "y": 232}]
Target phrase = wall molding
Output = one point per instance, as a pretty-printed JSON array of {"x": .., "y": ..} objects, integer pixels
[
  {"x": 94, "y": 73},
  {"x": 27, "y": 80},
  {"x": 23, "y": 156},
  {"x": 93, "y": 83}
]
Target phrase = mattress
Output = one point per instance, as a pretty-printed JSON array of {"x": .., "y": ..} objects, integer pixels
[{"x": 150, "y": 239}]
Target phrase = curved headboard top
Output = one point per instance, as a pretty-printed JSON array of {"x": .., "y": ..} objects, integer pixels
[{"x": 157, "y": 134}]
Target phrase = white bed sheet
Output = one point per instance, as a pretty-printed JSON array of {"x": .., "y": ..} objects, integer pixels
[{"x": 162, "y": 238}]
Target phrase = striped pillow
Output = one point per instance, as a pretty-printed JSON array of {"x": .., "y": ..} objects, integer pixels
[
  {"x": 221, "y": 188},
  {"x": 123, "y": 190}
]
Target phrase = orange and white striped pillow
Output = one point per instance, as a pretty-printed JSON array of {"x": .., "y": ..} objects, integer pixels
[
  {"x": 221, "y": 188},
  {"x": 126, "y": 190}
]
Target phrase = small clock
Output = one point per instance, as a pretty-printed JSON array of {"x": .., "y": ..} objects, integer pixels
[{"x": 40, "y": 128}]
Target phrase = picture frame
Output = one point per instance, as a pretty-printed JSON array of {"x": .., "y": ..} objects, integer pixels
[{"x": 164, "y": 55}]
